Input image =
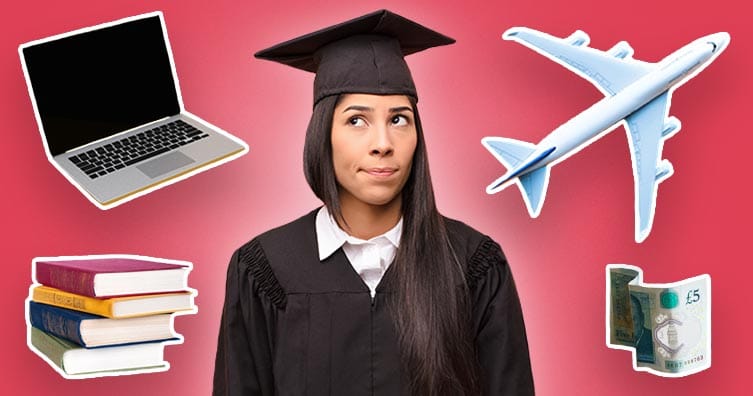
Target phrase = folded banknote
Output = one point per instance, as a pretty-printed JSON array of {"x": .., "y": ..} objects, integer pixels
[{"x": 666, "y": 326}]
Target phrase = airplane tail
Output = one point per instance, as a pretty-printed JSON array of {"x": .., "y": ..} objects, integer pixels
[
  {"x": 533, "y": 188},
  {"x": 516, "y": 156}
]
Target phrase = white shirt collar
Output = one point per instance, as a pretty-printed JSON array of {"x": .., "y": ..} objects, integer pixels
[{"x": 330, "y": 237}]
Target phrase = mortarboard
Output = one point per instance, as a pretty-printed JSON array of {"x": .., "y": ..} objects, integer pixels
[{"x": 362, "y": 55}]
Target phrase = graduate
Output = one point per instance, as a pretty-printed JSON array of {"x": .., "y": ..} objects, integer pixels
[{"x": 375, "y": 293}]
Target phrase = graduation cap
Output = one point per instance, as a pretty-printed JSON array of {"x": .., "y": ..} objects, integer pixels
[{"x": 362, "y": 55}]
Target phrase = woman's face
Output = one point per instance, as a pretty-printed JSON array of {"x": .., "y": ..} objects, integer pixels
[{"x": 373, "y": 140}]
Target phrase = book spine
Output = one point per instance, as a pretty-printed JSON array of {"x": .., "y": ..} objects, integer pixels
[
  {"x": 64, "y": 299},
  {"x": 45, "y": 344},
  {"x": 68, "y": 279},
  {"x": 52, "y": 321}
]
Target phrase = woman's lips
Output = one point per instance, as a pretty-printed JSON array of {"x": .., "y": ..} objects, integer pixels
[{"x": 381, "y": 172}]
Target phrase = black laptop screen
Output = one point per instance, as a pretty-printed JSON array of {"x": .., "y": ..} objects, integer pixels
[{"x": 94, "y": 84}]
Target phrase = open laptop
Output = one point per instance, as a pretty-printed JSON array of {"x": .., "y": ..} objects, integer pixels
[{"x": 110, "y": 112}]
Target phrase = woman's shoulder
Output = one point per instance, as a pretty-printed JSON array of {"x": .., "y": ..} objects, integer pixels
[
  {"x": 293, "y": 234},
  {"x": 269, "y": 257},
  {"x": 478, "y": 251},
  {"x": 467, "y": 240},
  {"x": 299, "y": 228}
]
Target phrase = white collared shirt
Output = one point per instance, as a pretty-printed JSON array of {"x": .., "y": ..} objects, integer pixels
[{"x": 370, "y": 259}]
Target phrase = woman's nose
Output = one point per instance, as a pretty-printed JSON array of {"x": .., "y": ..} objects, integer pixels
[{"x": 381, "y": 144}]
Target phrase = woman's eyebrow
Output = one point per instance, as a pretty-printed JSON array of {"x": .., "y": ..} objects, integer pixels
[
  {"x": 401, "y": 109},
  {"x": 371, "y": 109},
  {"x": 358, "y": 108}
]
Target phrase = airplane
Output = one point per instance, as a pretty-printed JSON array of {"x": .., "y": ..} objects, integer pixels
[{"x": 637, "y": 95}]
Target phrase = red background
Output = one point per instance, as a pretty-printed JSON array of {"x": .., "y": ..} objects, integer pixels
[{"x": 481, "y": 86}]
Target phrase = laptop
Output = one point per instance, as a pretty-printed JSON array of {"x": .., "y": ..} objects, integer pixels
[{"x": 110, "y": 111}]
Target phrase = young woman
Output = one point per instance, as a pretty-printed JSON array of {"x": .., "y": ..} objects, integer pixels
[{"x": 375, "y": 293}]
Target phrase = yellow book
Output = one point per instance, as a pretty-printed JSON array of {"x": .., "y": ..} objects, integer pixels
[{"x": 116, "y": 307}]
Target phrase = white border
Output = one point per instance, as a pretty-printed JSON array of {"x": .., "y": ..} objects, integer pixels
[
  {"x": 179, "y": 338},
  {"x": 639, "y": 281},
  {"x": 640, "y": 235},
  {"x": 179, "y": 94}
]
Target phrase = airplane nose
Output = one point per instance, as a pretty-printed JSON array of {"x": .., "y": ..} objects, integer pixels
[{"x": 719, "y": 41}]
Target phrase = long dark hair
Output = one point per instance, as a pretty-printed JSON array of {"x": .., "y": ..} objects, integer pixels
[{"x": 431, "y": 307}]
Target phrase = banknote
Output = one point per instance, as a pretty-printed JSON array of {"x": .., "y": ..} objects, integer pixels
[
  {"x": 620, "y": 315},
  {"x": 667, "y": 326}
]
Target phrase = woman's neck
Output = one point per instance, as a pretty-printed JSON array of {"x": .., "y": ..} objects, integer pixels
[{"x": 365, "y": 221}]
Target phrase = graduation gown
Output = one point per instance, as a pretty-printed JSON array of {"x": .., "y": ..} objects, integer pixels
[{"x": 294, "y": 325}]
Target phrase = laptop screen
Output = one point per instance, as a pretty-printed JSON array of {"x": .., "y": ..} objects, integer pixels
[{"x": 91, "y": 85}]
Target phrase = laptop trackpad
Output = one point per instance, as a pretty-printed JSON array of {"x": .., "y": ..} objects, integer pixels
[{"x": 164, "y": 164}]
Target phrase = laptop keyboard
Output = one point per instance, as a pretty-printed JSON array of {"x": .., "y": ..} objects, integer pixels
[{"x": 134, "y": 149}]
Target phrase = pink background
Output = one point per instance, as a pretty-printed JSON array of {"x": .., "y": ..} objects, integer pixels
[{"x": 482, "y": 86}]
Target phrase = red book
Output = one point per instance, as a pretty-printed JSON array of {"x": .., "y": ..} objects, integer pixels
[{"x": 106, "y": 276}]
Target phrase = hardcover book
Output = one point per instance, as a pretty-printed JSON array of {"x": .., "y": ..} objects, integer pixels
[
  {"x": 72, "y": 359},
  {"x": 115, "y": 307},
  {"x": 90, "y": 331},
  {"x": 107, "y": 276}
]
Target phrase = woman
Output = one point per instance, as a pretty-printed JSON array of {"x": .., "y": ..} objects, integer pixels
[{"x": 375, "y": 293}]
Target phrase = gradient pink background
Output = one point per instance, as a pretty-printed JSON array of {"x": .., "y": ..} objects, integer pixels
[{"x": 482, "y": 86}]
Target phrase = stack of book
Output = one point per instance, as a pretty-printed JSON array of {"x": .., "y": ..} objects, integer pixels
[{"x": 91, "y": 316}]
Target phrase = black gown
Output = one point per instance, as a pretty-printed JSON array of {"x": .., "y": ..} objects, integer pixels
[{"x": 294, "y": 325}]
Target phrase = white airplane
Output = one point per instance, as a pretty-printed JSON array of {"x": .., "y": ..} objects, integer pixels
[{"x": 637, "y": 95}]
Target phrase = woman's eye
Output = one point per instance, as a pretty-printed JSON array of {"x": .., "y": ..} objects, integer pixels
[
  {"x": 356, "y": 121},
  {"x": 399, "y": 120}
]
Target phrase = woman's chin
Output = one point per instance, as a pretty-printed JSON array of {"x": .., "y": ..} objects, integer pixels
[{"x": 377, "y": 198}]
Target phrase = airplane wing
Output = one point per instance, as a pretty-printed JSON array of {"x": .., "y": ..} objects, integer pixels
[
  {"x": 647, "y": 129},
  {"x": 609, "y": 71}
]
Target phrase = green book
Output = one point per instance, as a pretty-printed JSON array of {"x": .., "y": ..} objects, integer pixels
[{"x": 72, "y": 359}]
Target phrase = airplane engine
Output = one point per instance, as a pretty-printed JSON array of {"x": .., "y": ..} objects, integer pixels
[
  {"x": 621, "y": 50},
  {"x": 579, "y": 38},
  {"x": 664, "y": 170},
  {"x": 671, "y": 126}
]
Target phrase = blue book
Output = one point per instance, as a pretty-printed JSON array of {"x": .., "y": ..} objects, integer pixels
[{"x": 92, "y": 331}]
